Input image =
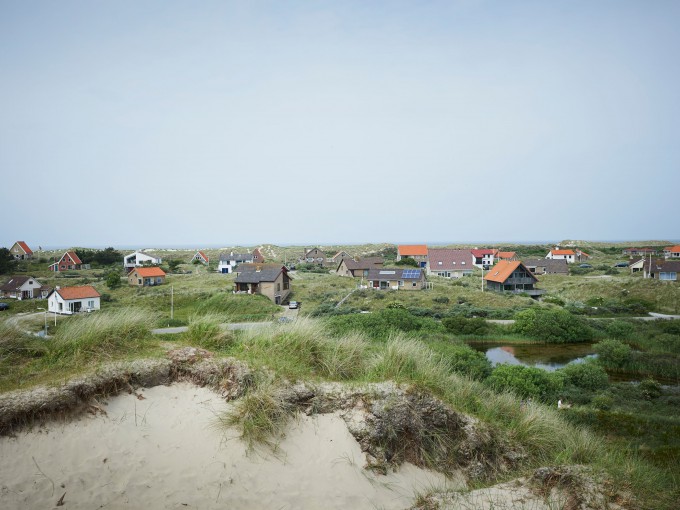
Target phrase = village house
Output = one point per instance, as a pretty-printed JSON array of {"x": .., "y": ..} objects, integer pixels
[
  {"x": 23, "y": 287},
  {"x": 417, "y": 252},
  {"x": 228, "y": 261},
  {"x": 21, "y": 251},
  {"x": 313, "y": 256},
  {"x": 201, "y": 257},
  {"x": 484, "y": 258},
  {"x": 258, "y": 258},
  {"x": 337, "y": 258},
  {"x": 640, "y": 252},
  {"x": 546, "y": 266},
  {"x": 69, "y": 261},
  {"x": 672, "y": 252},
  {"x": 637, "y": 264},
  {"x": 662, "y": 269},
  {"x": 146, "y": 276},
  {"x": 139, "y": 259},
  {"x": 450, "y": 263},
  {"x": 512, "y": 276},
  {"x": 570, "y": 256},
  {"x": 270, "y": 280},
  {"x": 396, "y": 278},
  {"x": 70, "y": 300},
  {"x": 358, "y": 268},
  {"x": 507, "y": 255}
]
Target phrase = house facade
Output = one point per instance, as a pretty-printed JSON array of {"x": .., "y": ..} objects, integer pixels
[
  {"x": 450, "y": 263},
  {"x": 662, "y": 269},
  {"x": 417, "y": 252},
  {"x": 358, "y": 268},
  {"x": 546, "y": 266},
  {"x": 201, "y": 257},
  {"x": 70, "y": 300},
  {"x": 639, "y": 252},
  {"x": 23, "y": 287},
  {"x": 270, "y": 280},
  {"x": 69, "y": 261},
  {"x": 146, "y": 277},
  {"x": 21, "y": 251},
  {"x": 570, "y": 256},
  {"x": 484, "y": 258},
  {"x": 258, "y": 258},
  {"x": 314, "y": 256},
  {"x": 337, "y": 258},
  {"x": 512, "y": 276},
  {"x": 139, "y": 259},
  {"x": 396, "y": 278},
  {"x": 228, "y": 261},
  {"x": 672, "y": 252}
]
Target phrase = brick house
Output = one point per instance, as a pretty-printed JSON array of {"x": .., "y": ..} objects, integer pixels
[
  {"x": 146, "y": 276},
  {"x": 69, "y": 261}
]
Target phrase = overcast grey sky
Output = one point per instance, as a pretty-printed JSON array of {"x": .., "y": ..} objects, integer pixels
[{"x": 148, "y": 123}]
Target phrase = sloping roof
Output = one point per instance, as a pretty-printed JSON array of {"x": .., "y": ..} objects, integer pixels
[
  {"x": 147, "y": 272},
  {"x": 662, "y": 265},
  {"x": 506, "y": 254},
  {"x": 15, "y": 282},
  {"x": 558, "y": 266},
  {"x": 365, "y": 263},
  {"x": 412, "y": 250},
  {"x": 673, "y": 249},
  {"x": 260, "y": 266},
  {"x": 583, "y": 253},
  {"x": 25, "y": 247},
  {"x": 203, "y": 255},
  {"x": 224, "y": 257},
  {"x": 450, "y": 259},
  {"x": 562, "y": 252},
  {"x": 82, "y": 292},
  {"x": 395, "y": 273},
  {"x": 484, "y": 251},
  {"x": 73, "y": 256},
  {"x": 268, "y": 274},
  {"x": 503, "y": 269}
]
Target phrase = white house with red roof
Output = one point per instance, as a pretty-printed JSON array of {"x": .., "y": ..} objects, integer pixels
[
  {"x": 450, "y": 263},
  {"x": 68, "y": 261},
  {"x": 200, "y": 257},
  {"x": 21, "y": 251},
  {"x": 70, "y": 300},
  {"x": 570, "y": 256},
  {"x": 139, "y": 259},
  {"x": 484, "y": 258},
  {"x": 672, "y": 252}
]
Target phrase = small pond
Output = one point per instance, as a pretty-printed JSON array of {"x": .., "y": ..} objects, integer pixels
[{"x": 548, "y": 357}]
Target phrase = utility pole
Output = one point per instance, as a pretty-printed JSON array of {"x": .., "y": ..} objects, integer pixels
[{"x": 172, "y": 302}]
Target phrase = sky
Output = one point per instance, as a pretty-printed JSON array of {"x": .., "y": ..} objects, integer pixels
[{"x": 227, "y": 123}]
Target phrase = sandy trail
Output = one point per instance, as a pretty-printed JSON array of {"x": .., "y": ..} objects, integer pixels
[{"x": 165, "y": 450}]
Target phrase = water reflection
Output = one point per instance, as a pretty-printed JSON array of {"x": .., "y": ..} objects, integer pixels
[{"x": 547, "y": 357}]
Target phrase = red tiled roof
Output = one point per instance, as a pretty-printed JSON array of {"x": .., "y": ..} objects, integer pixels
[
  {"x": 410, "y": 250},
  {"x": 482, "y": 252},
  {"x": 562, "y": 252},
  {"x": 506, "y": 254},
  {"x": 149, "y": 271},
  {"x": 503, "y": 269},
  {"x": 205, "y": 257},
  {"x": 25, "y": 247},
  {"x": 673, "y": 249},
  {"x": 85, "y": 291}
]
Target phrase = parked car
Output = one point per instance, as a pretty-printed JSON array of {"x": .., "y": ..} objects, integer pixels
[
  {"x": 4, "y": 306},
  {"x": 293, "y": 305},
  {"x": 585, "y": 266},
  {"x": 621, "y": 264}
]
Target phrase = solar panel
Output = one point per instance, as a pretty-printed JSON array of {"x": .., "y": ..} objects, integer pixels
[{"x": 411, "y": 273}]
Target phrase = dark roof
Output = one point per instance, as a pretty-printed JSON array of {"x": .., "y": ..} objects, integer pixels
[
  {"x": 558, "y": 266},
  {"x": 15, "y": 282},
  {"x": 252, "y": 267},
  {"x": 661, "y": 265},
  {"x": 224, "y": 257},
  {"x": 450, "y": 259},
  {"x": 395, "y": 273},
  {"x": 367, "y": 263},
  {"x": 264, "y": 275}
]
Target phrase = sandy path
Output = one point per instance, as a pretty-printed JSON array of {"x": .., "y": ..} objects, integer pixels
[{"x": 165, "y": 451}]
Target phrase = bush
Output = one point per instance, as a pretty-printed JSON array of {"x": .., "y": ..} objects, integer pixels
[
  {"x": 113, "y": 280},
  {"x": 465, "y": 360},
  {"x": 463, "y": 326},
  {"x": 442, "y": 300},
  {"x": 619, "y": 329},
  {"x": 527, "y": 382},
  {"x": 588, "y": 376},
  {"x": 650, "y": 389},
  {"x": 612, "y": 353},
  {"x": 552, "y": 326}
]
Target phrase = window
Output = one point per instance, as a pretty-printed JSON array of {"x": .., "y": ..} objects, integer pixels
[
  {"x": 278, "y": 287},
  {"x": 139, "y": 281},
  {"x": 415, "y": 284},
  {"x": 401, "y": 283},
  {"x": 463, "y": 262},
  {"x": 440, "y": 262},
  {"x": 671, "y": 276},
  {"x": 90, "y": 304}
]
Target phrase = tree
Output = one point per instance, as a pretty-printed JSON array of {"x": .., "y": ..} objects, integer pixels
[
  {"x": 113, "y": 280},
  {"x": 7, "y": 262},
  {"x": 407, "y": 261},
  {"x": 173, "y": 264}
]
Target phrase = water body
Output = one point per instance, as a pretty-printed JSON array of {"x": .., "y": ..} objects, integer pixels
[{"x": 547, "y": 357}]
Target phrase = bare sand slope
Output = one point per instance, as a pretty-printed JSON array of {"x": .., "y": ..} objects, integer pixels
[{"x": 165, "y": 451}]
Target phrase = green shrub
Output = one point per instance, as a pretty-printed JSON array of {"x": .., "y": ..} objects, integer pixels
[
  {"x": 441, "y": 300},
  {"x": 650, "y": 389},
  {"x": 619, "y": 329},
  {"x": 612, "y": 353},
  {"x": 527, "y": 382},
  {"x": 463, "y": 326},
  {"x": 552, "y": 326},
  {"x": 465, "y": 360},
  {"x": 603, "y": 401},
  {"x": 588, "y": 376}
]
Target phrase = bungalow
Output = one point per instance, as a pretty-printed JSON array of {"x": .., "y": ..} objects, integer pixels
[
  {"x": 139, "y": 259},
  {"x": 200, "y": 257},
  {"x": 68, "y": 261},
  {"x": 23, "y": 287},
  {"x": 70, "y": 300},
  {"x": 512, "y": 276},
  {"x": 672, "y": 252},
  {"x": 484, "y": 258},
  {"x": 21, "y": 251},
  {"x": 313, "y": 256},
  {"x": 665, "y": 270},
  {"x": 449, "y": 263},
  {"x": 639, "y": 252},
  {"x": 417, "y": 252},
  {"x": 570, "y": 256},
  {"x": 396, "y": 278},
  {"x": 270, "y": 280},
  {"x": 228, "y": 262},
  {"x": 546, "y": 266},
  {"x": 146, "y": 276},
  {"x": 637, "y": 264},
  {"x": 358, "y": 268}
]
